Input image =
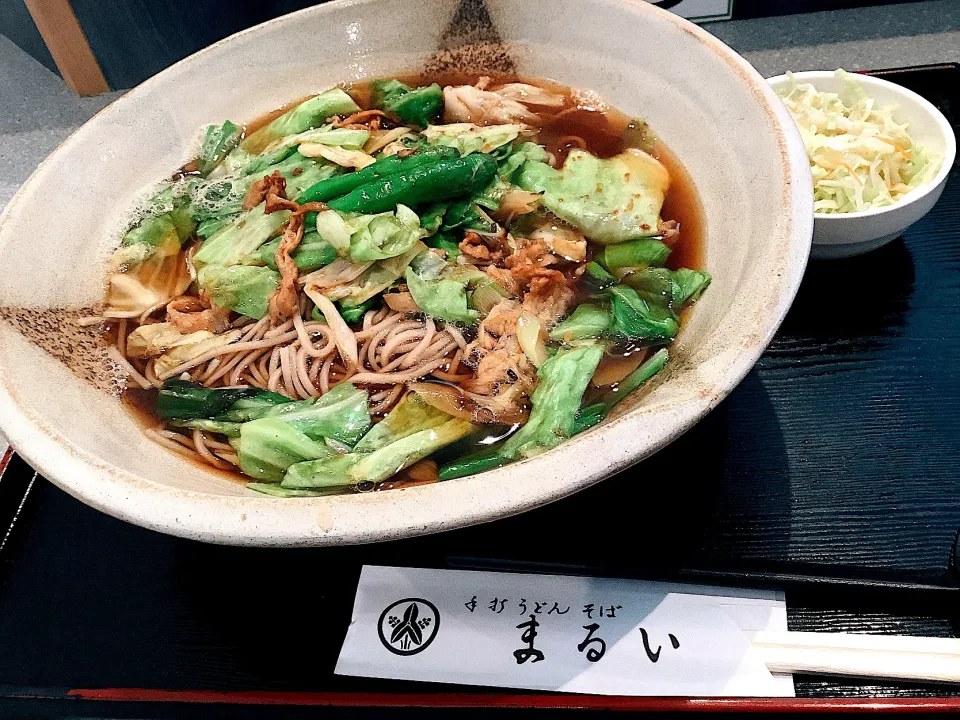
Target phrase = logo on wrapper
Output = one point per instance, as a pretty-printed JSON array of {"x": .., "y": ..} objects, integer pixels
[{"x": 408, "y": 626}]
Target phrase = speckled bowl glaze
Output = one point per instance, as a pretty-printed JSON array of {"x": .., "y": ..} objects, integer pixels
[{"x": 709, "y": 106}]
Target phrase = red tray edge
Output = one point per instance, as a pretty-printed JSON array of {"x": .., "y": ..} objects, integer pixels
[{"x": 536, "y": 701}]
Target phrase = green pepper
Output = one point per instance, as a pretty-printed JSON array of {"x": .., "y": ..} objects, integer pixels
[
  {"x": 355, "y": 313},
  {"x": 185, "y": 400},
  {"x": 430, "y": 183},
  {"x": 342, "y": 184},
  {"x": 418, "y": 106},
  {"x": 444, "y": 241},
  {"x": 472, "y": 464},
  {"x": 591, "y": 414},
  {"x": 313, "y": 252}
]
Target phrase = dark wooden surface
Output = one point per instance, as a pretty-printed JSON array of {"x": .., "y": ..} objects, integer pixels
[{"x": 831, "y": 471}]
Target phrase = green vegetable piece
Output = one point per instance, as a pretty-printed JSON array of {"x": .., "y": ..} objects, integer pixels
[
  {"x": 219, "y": 199},
  {"x": 313, "y": 252},
  {"x": 375, "y": 279},
  {"x": 301, "y": 173},
  {"x": 342, "y": 414},
  {"x": 466, "y": 214},
  {"x": 355, "y": 313},
  {"x": 239, "y": 240},
  {"x": 153, "y": 231},
  {"x": 419, "y": 106},
  {"x": 655, "y": 285},
  {"x": 431, "y": 219},
  {"x": 650, "y": 367},
  {"x": 442, "y": 299},
  {"x": 524, "y": 152},
  {"x": 384, "y": 235},
  {"x": 252, "y": 407},
  {"x": 242, "y": 288},
  {"x": 446, "y": 242},
  {"x": 595, "y": 412},
  {"x": 217, "y": 142},
  {"x": 587, "y": 321},
  {"x": 259, "y": 164},
  {"x": 668, "y": 288},
  {"x": 428, "y": 265},
  {"x": 378, "y": 465},
  {"x": 611, "y": 200},
  {"x": 185, "y": 400},
  {"x": 690, "y": 285},
  {"x": 596, "y": 280},
  {"x": 208, "y": 227},
  {"x": 433, "y": 182},
  {"x": 468, "y": 138},
  {"x": 267, "y": 447},
  {"x": 634, "y": 254},
  {"x": 230, "y": 429},
  {"x": 308, "y": 114},
  {"x": 409, "y": 416},
  {"x": 588, "y": 416},
  {"x": 281, "y": 492},
  {"x": 391, "y": 165},
  {"x": 473, "y": 464},
  {"x": 636, "y": 320},
  {"x": 563, "y": 379}
]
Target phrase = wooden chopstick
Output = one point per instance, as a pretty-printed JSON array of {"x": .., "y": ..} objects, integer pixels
[{"x": 867, "y": 656}]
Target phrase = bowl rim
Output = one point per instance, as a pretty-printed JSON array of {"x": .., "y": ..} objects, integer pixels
[
  {"x": 950, "y": 140},
  {"x": 282, "y": 522}
]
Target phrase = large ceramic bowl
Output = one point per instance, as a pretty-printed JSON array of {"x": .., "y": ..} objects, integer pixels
[{"x": 718, "y": 115}]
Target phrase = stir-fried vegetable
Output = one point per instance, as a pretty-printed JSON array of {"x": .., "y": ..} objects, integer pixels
[
  {"x": 562, "y": 382},
  {"x": 267, "y": 447},
  {"x": 417, "y": 107},
  {"x": 245, "y": 289},
  {"x": 342, "y": 414},
  {"x": 588, "y": 321},
  {"x": 217, "y": 142},
  {"x": 596, "y": 411},
  {"x": 391, "y": 165},
  {"x": 442, "y": 299},
  {"x": 611, "y": 200},
  {"x": 313, "y": 252},
  {"x": 431, "y": 182},
  {"x": 308, "y": 114},
  {"x": 376, "y": 466},
  {"x": 670, "y": 288},
  {"x": 237, "y": 242},
  {"x": 184, "y": 400}
]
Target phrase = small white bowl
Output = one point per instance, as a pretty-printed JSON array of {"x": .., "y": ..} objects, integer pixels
[{"x": 838, "y": 235}]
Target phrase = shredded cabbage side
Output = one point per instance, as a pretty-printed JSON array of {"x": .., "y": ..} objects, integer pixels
[{"x": 860, "y": 157}]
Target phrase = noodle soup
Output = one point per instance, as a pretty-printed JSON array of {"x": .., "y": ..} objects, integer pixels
[{"x": 399, "y": 282}]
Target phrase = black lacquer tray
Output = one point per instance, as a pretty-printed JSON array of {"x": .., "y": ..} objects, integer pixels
[{"x": 833, "y": 471}]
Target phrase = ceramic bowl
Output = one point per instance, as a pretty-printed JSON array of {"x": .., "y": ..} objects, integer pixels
[
  {"x": 58, "y": 402},
  {"x": 848, "y": 234}
]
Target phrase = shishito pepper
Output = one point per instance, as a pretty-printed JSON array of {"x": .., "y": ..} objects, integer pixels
[
  {"x": 429, "y": 183},
  {"x": 342, "y": 184}
]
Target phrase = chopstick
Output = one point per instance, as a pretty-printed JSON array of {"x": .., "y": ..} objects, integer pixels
[{"x": 866, "y": 656}]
